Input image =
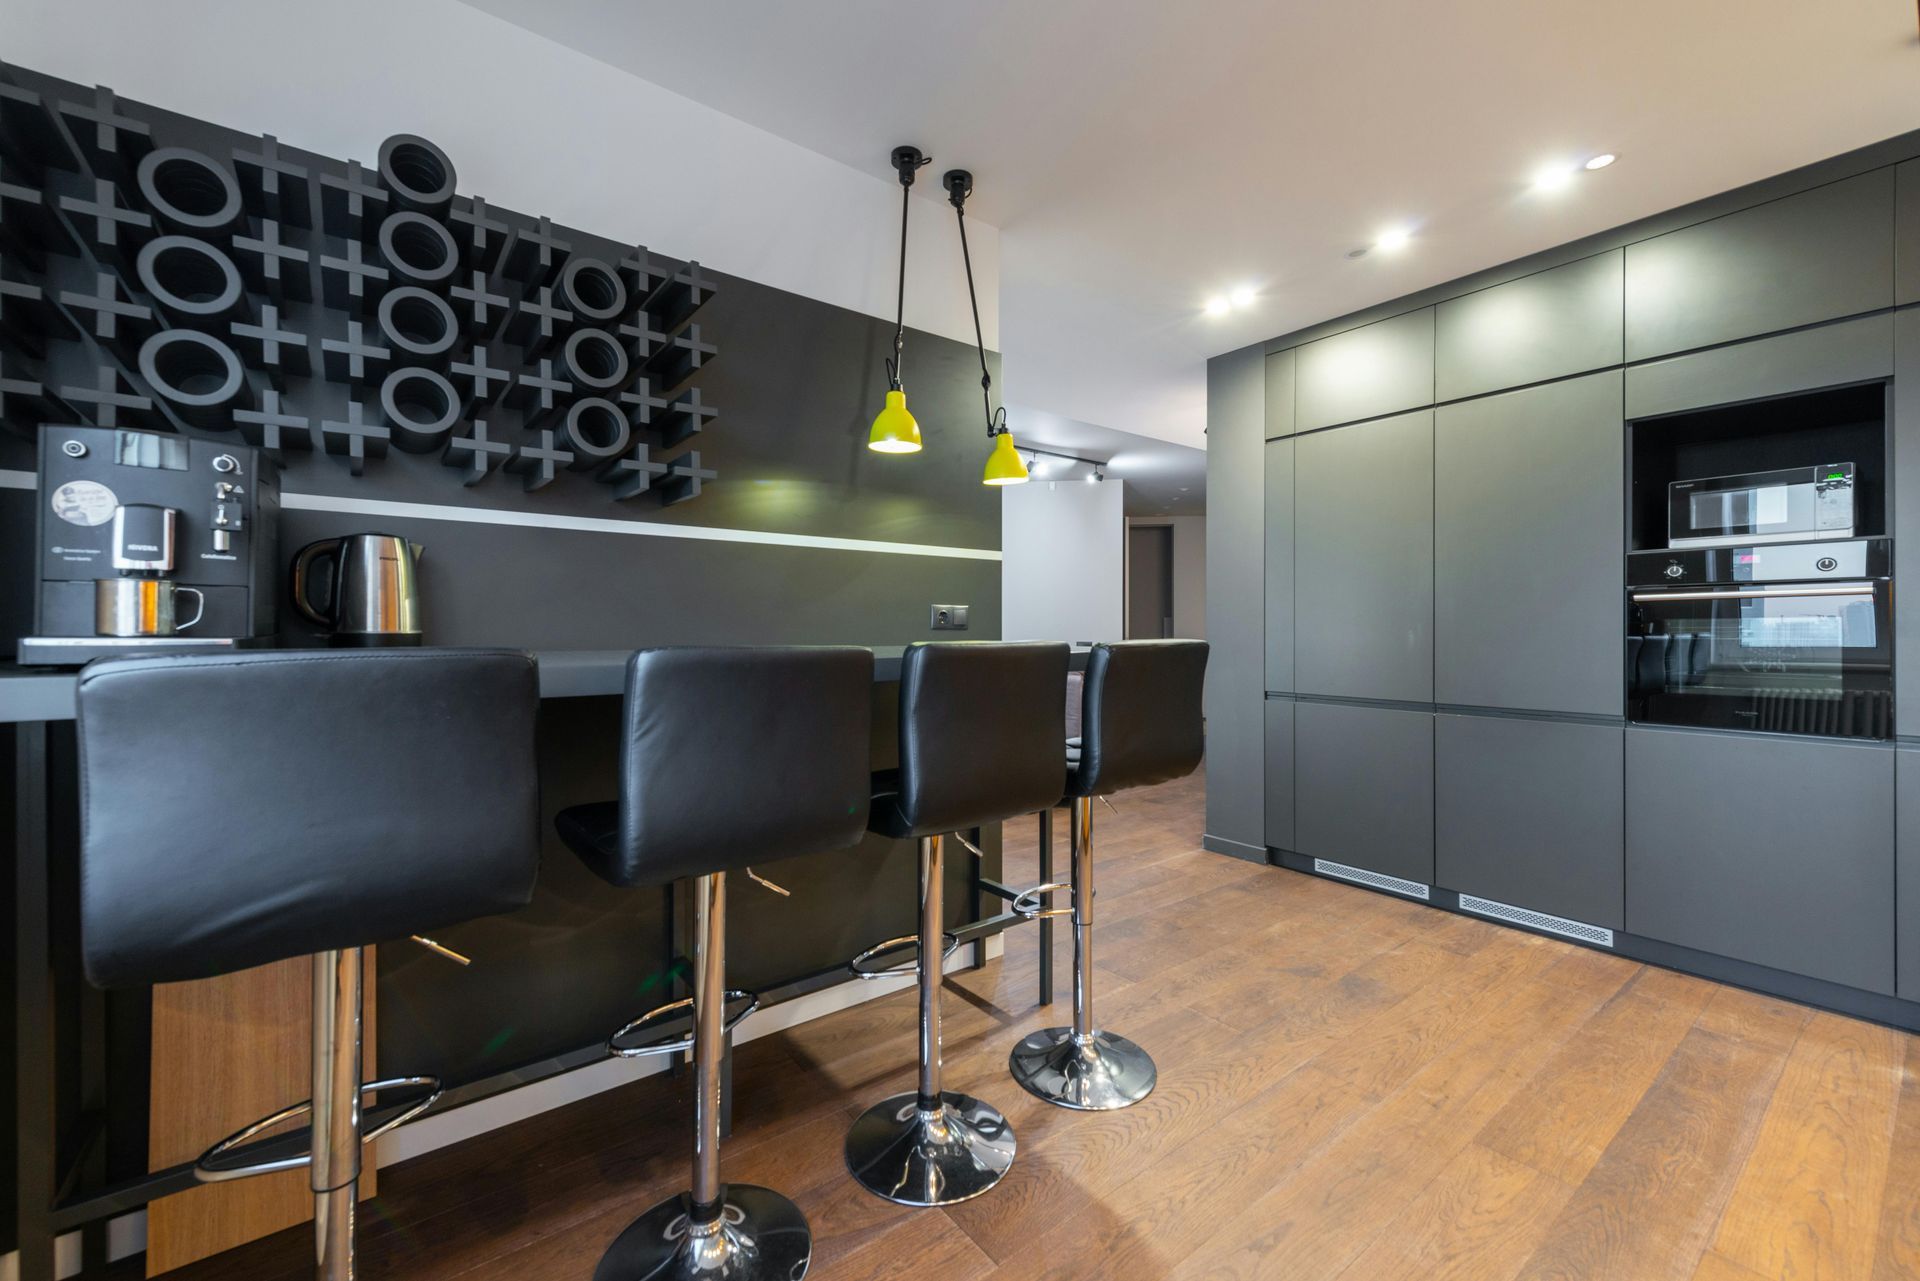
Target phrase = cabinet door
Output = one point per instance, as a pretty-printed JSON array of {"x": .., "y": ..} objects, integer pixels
[
  {"x": 1527, "y": 543},
  {"x": 1363, "y": 787},
  {"x": 1818, "y": 255},
  {"x": 1376, "y": 369},
  {"x": 1280, "y": 773},
  {"x": 1363, "y": 560},
  {"x": 1280, "y": 565},
  {"x": 1907, "y": 874},
  {"x": 1852, "y": 351},
  {"x": 1777, "y": 851},
  {"x": 1906, "y": 247},
  {"x": 1906, "y": 514},
  {"x": 1280, "y": 373},
  {"x": 1562, "y": 321},
  {"x": 1530, "y": 813},
  {"x": 1236, "y": 576}
]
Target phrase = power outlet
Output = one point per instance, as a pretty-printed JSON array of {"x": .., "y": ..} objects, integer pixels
[{"x": 949, "y": 618}]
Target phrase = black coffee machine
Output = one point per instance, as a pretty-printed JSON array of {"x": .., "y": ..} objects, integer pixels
[{"x": 151, "y": 543}]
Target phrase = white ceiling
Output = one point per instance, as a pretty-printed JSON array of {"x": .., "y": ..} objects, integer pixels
[{"x": 1139, "y": 155}]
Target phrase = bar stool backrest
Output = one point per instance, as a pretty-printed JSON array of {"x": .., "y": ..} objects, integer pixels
[
  {"x": 738, "y": 756},
  {"x": 1140, "y": 719},
  {"x": 982, "y": 726},
  {"x": 244, "y": 808}
]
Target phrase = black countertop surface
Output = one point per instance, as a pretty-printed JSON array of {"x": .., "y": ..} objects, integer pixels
[{"x": 46, "y": 693}]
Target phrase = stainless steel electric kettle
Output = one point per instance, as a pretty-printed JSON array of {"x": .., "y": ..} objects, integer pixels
[{"x": 373, "y": 589}]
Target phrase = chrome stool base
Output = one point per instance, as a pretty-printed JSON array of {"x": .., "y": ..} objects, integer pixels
[
  {"x": 913, "y": 1157},
  {"x": 761, "y": 1236},
  {"x": 1099, "y": 1074}
]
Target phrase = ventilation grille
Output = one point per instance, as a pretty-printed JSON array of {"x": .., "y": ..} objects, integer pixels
[
  {"x": 1378, "y": 880},
  {"x": 1579, "y": 930}
]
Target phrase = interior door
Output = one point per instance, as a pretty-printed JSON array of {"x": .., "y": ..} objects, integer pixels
[{"x": 1149, "y": 582}]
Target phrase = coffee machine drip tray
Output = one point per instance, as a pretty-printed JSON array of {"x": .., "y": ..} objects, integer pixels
[{"x": 72, "y": 651}]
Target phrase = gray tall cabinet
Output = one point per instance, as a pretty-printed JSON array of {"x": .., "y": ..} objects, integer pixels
[{"x": 1444, "y": 492}]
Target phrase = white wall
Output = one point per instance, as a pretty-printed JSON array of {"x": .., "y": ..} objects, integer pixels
[
  {"x": 1063, "y": 561},
  {"x": 1189, "y": 572},
  {"x": 531, "y": 125}
]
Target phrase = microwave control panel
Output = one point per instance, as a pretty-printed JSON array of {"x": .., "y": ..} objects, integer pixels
[{"x": 1833, "y": 496}]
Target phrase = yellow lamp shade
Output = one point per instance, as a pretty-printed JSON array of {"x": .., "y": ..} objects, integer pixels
[
  {"x": 894, "y": 429},
  {"x": 1004, "y": 464}
]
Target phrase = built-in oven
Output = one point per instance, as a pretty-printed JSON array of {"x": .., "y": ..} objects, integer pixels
[
  {"x": 1790, "y": 638},
  {"x": 1787, "y": 506}
]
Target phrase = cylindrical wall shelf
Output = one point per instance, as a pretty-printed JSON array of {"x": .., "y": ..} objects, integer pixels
[
  {"x": 418, "y": 324},
  {"x": 193, "y": 281},
  {"x": 421, "y": 408},
  {"x": 417, "y": 174},
  {"x": 594, "y": 358},
  {"x": 197, "y": 374},
  {"x": 593, "y": 289},
  {"x": 189, "y": 192},
  {"x": 597, "y": 431},
  {"x": 417, "y": 249}
]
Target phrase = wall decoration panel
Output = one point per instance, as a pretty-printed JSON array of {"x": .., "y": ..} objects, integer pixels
[{"x": 170, "y": 275}]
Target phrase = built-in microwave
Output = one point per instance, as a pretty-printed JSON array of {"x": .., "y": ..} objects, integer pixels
[
  {"x": 1782, "y": 638},
  {"x": 1788, "y": 506}
]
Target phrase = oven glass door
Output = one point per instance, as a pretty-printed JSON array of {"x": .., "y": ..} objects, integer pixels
[{"x": 1810, "y": 658}]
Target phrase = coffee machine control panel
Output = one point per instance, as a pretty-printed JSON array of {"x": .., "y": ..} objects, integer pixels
[{"x": 117, "y": 503}]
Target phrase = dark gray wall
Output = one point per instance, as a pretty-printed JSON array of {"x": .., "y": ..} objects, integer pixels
[{"x": 1236, "y": 586}]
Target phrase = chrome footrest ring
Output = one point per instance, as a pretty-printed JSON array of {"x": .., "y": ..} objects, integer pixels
[
  {"x": 1027, "y": 902},
  {"x": 906, "y": 969},
  {"x": 660, "y": 1013},
  {"x": 207, "y": 1169}
]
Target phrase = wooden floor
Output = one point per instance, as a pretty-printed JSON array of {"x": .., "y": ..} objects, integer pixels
[{"x": 1350, "y": 1086}]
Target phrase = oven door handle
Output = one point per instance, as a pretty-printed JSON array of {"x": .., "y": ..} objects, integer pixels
[{"x": 1755, "y": 593}]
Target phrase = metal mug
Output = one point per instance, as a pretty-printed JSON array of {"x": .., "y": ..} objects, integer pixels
[{"x": 141, "y": 606}]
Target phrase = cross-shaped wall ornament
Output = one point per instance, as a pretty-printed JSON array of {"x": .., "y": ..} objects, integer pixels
[
  {"x": 272, "y": 428},
  {"x": 354, "y": 438},
  {"x": 109, "y": 309},
  {"x": 274, "y": 187},
  {"x": 476, "y": 454},
  {"x": 540, "y": 463}
]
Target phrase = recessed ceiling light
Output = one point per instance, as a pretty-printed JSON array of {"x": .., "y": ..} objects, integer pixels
[
  {"x": 1244, "y": 296},
  {"x": 1602, "y": 160},
  {"x": 1361, "y": 252},
  {"x": 1554, "y": 177},
  {"x": 1393, "y": 240},
  {"x": 1218, "y": 305}
]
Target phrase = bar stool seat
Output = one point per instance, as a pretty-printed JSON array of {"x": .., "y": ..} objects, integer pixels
[
  {"x": 241, "y": 809},
  {"x": 980, "y": 732},
  {"x": 1140, "y": 724},
  {"x": 726, "y": 756}
]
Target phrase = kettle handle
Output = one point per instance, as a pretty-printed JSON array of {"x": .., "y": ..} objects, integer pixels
[{"x": 302, "y": 562}]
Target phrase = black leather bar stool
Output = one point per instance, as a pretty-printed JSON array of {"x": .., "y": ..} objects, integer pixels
[
  {"x": 980, "y": 733},
  {"x": 1140, "y": 724},
  {"x": 726, "y": 756},
  {"x": 246, "y": 808}
]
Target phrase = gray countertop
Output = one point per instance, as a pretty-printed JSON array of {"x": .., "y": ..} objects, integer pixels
[{"x": 46, "y": 694}]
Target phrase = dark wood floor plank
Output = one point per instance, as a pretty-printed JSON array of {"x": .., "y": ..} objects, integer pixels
[{"x": 1352, "y": 1085}]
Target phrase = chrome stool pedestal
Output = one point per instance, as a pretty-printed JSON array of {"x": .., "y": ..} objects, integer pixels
[
  {"x": 716, "y": 1231},
  {"x": 931, "y": 1147},
  {"x": 1082, "y": 1067}
]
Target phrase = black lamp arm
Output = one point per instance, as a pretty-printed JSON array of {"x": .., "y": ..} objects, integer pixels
[
  {"x": 907, "y": 161},
  {"x": 959, "y": 184}
]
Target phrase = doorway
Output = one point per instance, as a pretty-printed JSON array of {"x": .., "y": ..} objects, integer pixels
[{"x": 1149, "y": 582}]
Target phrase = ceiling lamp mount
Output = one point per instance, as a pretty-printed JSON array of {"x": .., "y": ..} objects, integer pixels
[
  {"x": 1004, "y": 464},
  {"x": 894, "y": 429}
]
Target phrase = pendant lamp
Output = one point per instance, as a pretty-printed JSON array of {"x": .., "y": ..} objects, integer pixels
[
  {"x": 894, "y": 429},
  {"x": 1004, "y": 466}
]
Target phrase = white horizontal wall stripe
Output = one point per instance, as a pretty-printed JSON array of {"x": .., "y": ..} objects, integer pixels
[
  {"x": 636, "y": 528},
  {"x": 586, "y": 524}
]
